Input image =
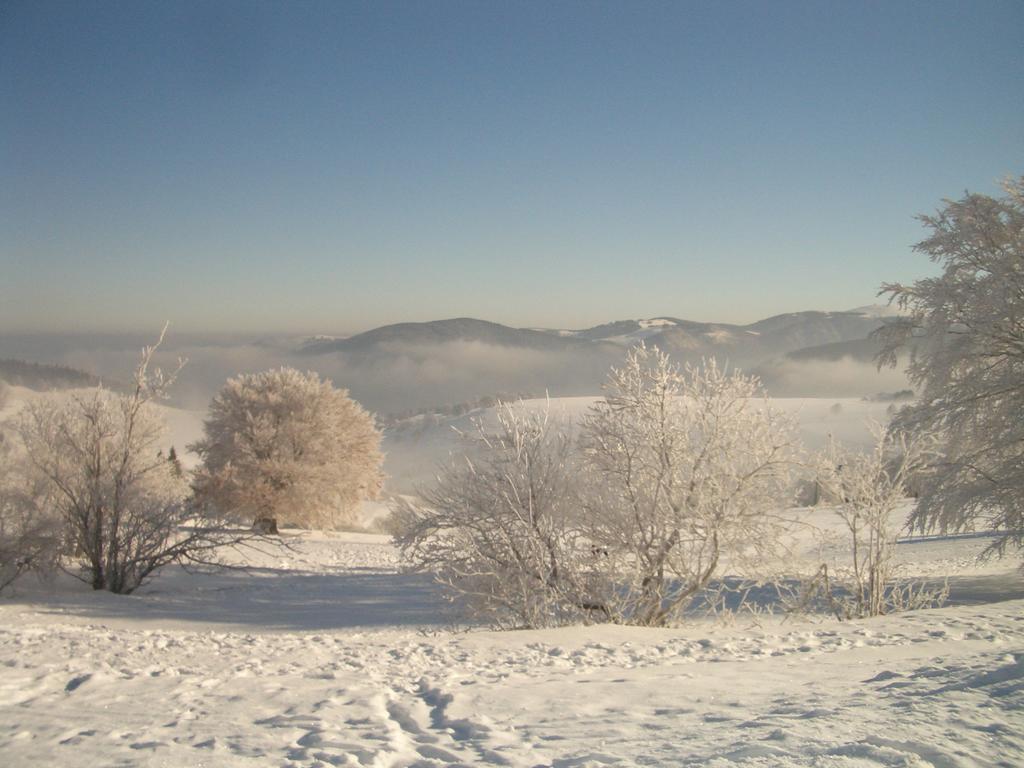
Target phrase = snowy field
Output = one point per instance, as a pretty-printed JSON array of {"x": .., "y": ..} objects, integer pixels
[{"x": 325, "y": 654}]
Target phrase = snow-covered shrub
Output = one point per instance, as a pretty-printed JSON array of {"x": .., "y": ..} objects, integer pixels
[
  {"x": 123, "y": 509},
  {"x": 675, "y": 472},
  {"x": 502, "y": 529},
  {"x": 287, "y": 446},
  {"x": 966, "y": 333},
  {"x": 867, "y": 490},
  {"x": 684, "y": 468}
]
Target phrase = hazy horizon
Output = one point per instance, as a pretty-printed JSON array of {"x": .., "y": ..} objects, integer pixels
[{"x": 148, "y": 331}]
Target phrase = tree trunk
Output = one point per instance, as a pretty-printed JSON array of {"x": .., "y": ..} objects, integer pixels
[{"x": 265, "y": 525}]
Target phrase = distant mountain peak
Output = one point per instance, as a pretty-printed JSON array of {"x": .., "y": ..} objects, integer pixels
[
  {"x": 451, "y": 330},
  {"x": 657, "y": 322},
  {"x": 878, "y": 310}
]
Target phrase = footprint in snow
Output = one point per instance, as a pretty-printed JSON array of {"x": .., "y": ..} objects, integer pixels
[{"x": 76, "y": 682}]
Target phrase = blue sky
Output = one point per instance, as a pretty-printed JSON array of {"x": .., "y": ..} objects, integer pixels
[{"x": 330, "y": 167}]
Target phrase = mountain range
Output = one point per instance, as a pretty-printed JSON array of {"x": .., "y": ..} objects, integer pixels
[{"x": 742, "y": 345}]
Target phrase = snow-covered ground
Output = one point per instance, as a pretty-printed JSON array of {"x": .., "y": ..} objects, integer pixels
[{"x": 324, "y": 654}]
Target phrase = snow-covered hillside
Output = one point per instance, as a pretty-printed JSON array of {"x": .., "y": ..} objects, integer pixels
[
  {"x": 183, "y": 426},
  {"x": 417, "y": 446}
]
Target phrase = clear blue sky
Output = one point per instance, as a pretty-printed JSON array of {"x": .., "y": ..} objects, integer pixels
[{"x": 330, "y": 167}]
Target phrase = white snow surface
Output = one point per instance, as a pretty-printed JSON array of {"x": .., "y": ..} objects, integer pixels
[
  {"x": 658, "y": 322},
  {"x": 325, "y": 654}
]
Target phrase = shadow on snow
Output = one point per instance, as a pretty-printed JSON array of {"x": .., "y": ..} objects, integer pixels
[{"x": 289, "y": 600}]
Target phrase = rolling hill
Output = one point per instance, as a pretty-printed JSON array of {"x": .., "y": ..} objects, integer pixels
[{"x": 742, "y": 345}]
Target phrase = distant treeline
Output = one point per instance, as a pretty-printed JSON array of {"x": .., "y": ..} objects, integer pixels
[
  {"x": 42, "y": 376},
  {"x": 890, "y": 397},
  {"x": 390, "y": 421}
]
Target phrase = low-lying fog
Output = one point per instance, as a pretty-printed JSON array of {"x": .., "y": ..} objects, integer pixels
[{"x": 400, "y": 378}]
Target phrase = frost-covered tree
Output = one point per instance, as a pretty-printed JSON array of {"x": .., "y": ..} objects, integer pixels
[
  {"x": 99, "y": 457},
  {"x": 501, "y": 527},
  {"x": 686, "y": 467},
  {"x": 30, "y": 533},
  {"x": 674, "y": 473},
  {"x": 175, "y": 462},
  {"x": 966, "y": 326},
  {"x": 867, "y": 490},
  {"x": 284, "y": 445}
]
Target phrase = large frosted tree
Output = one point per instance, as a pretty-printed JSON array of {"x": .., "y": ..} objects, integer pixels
[
  {"x": 965, "y": 330},
  {"x": 289, "y": 446}
]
